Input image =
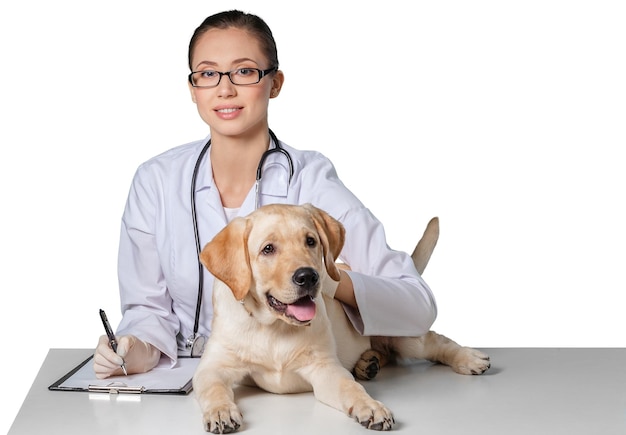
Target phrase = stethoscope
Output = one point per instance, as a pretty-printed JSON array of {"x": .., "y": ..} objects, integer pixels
[{"x": 196, "y": 342}]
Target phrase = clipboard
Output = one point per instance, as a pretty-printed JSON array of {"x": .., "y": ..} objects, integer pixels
[{"x": 163, "y": 379}]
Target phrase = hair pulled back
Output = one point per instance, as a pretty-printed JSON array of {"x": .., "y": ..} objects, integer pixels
[{"x": 239, "y": 20}]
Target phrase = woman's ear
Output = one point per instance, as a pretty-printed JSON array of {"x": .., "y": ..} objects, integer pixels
[
  {"x": 192, "y": 91},
  {"x": 277, "y": 83}
]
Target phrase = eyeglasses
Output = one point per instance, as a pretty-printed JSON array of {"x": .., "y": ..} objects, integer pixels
[{"x": 242, "y": 76}]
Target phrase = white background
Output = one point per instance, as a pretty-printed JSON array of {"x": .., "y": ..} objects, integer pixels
[{"x": 505, "y": 119}]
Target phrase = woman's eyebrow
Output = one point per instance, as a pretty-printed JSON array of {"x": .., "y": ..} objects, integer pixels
[
  {"x": 205, "y": 62},
  {"x": 214, "y": 64}
]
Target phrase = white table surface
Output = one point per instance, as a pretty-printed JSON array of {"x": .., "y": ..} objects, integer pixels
[{"x": 527, "y": 391}]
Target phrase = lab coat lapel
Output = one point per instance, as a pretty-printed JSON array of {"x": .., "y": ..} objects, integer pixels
[
  {"x": 208, "y": 201},
  {"x": 274, "y": 183}
]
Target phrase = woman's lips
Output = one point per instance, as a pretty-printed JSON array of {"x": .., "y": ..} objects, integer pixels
[{"x": 228, "y": 112}]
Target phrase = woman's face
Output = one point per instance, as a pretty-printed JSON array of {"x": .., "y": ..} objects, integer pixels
[{"x": 232, "y": 110}]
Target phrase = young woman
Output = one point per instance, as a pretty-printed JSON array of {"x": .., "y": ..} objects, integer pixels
[{"x": 234, "y": 74}]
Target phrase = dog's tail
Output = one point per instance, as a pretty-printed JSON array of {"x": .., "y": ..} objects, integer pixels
[{"x": 426, "y": 245}]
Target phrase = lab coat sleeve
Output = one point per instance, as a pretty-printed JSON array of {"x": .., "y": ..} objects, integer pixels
[
  {"x": 145, "y": 301},
  {"x": 392, "y": 297}
]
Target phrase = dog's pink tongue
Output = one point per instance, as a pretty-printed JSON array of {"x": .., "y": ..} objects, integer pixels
[{"x": 303, "y": 309}]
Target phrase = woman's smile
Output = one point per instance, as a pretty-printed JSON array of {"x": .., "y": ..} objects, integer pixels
[{"x": 228, "y": 112}]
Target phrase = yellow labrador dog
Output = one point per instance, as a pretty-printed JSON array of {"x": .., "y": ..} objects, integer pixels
[{"x": 277, "y": 326}]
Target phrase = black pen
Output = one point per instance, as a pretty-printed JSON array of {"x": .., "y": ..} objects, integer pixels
[{"x": 112, "y": 340}]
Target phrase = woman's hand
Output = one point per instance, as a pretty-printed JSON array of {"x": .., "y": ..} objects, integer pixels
[{"x": 137, "y": 355}]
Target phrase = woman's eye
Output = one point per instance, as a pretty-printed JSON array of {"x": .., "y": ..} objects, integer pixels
[
  {"x": 244, "y": 72},
  {"x": 268, "y": 249},
  {"x": 208, "y": 74}
]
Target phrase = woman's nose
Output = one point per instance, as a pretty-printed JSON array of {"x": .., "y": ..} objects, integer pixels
[{"x": 225, "y": 87}]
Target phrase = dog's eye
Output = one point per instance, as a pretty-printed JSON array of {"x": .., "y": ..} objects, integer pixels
[
  {"x": 268, "y": 249},
  {"x": 310, "y": 241}
]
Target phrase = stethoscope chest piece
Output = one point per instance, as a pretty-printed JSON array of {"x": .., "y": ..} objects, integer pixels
[{"x": 196, "y": 344}]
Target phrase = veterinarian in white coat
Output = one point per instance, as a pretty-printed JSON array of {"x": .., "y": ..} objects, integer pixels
[{"x": 158, "y": 266}]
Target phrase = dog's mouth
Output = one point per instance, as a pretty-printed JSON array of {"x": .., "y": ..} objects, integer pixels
[{"x": 302, "y": 310}]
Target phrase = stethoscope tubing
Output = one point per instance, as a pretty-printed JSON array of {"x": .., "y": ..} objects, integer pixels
[
  {"x": 194, "y": 217},
  {"x": 194, "y": 214}
]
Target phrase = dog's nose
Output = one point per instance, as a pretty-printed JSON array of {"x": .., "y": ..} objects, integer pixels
[{"x": 306, "y": 277}]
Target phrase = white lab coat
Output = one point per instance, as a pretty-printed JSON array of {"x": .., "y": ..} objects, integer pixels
[{"x": 158, "y": 266}]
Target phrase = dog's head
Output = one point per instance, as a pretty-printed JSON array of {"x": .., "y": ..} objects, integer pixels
[{"x": 274, "y": 258}]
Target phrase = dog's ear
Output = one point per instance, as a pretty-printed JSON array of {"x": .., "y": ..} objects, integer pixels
[
  {"x": 226, "y": 257},
  {"x": 332, "y": 234}
]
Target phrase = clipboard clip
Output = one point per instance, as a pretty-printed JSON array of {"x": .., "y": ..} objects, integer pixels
[{"x": 115, "y": 388}]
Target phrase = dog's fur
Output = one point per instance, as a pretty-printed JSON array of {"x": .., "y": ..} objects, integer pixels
[{"x": 276, "y": 325}]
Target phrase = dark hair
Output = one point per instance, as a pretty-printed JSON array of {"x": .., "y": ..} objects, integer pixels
[{"x": 240, "y": 20}]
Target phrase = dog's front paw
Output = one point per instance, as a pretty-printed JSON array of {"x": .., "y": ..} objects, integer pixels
[
  {"x": 372, "y": 414},
  {"x": 225, "y": 418},
  {"x": 470, "y": 361}
]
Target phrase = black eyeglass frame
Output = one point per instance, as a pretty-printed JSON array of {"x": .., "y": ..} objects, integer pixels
[{"x": 262, "y": 73}]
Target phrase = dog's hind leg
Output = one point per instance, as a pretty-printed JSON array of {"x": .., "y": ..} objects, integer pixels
[
  {"x": 374, "y": 359},
  {"x": 368, "y": 365},
  {"x": 438, "y": 348}
]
